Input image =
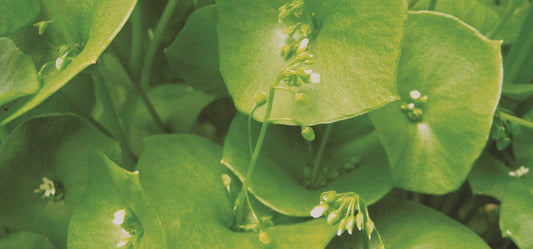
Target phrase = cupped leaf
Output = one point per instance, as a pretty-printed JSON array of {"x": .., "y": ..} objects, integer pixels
[
  {"x": 181, "y": 175},
  {"x": 194, "y": 53},
  {"x": 356, "y": 52},
  {"x": 18, "y": 76},
  {"x": 80, "y": 33},
  {"x": 516, "y": 218},
  {"x": 24, "y": 240},
  {"x": 280, "y": 180},
  {"x": 17, "y": 14},
  {"x": 449, "y": 81},
  {"x": 54, "y": 147},
  {"x": 406, "y": 225},
  {"x": 114, "y": 212},
  {"x": 177, "y": 105}
]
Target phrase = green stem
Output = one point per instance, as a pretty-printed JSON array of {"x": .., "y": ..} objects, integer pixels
[
  {"x": 496, "y": 31},
  {"x": 257, "y": 150},
  {"x": 432, "y": 5},
  {"x": 320, "y": 153},
  {"x": 154, "y": 44},
  {"x": 136, "y": 40},
  {"x": 127, "y": 155},
  {"x": 516, "y": 120},
  {"x": 250, "y": 142}
]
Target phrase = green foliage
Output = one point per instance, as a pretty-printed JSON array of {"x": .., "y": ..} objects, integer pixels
[{"x": 346, "y": 124}]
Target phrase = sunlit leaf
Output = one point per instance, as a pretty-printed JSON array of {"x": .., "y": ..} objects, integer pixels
[
  {"x": 114, "y": 212},
  {"x": 356, "y": 53},
  {"x": 460, "y": 73},
  {"x": 181, "y": 175},
  {"x": 81, "y": 30}
]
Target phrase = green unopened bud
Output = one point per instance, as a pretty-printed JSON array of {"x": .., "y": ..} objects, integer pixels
[
  {"x": 260, "y": 99},
  {"x": 415, "y": 114},
  {"x": 308, "y": 133},
  {"x": 287, "y": 51},
  {"x": 301, "y": 98},
  {"x": 381, "y": 245},
  {"x": 42, "y": 26},
  {"x": 359, "y": 219},
  {"x": 369, "y": 228},
  {"x": 306, "y": 29},
  {"x": 226, "y": 180},
  {"x": 264, "y": 238},
  {"x": 333, "y": 217}
]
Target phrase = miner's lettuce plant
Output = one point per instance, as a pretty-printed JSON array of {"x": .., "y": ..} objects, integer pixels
[{"x": 266, "y": 124}]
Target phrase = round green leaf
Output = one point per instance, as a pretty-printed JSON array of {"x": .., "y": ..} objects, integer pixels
[
  {"x": 460, "y": 72},
  {"x": 17, "y": 14},
  {"x": 87, "y": 26},
  {"x": 410, "y": 225},
  {"x": 194, "y": 53},
  {"x": 356, "y": 51},
  {"x": 279, "y": 179},
  {"x": 181, "y": 175},
  {"x": 516, "y": 218},
  {"x": 54, "y": 147},
  {"x": 114, "y": 212},
  {"x": 18, "y": 76}
]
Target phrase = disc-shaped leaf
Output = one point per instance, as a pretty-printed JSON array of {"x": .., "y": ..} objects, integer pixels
[
  {"x": 194, "y": 53},
  {"x": 17, "y": 14},
  {"x": 83, "y": 29},
  {"x": 54, "y": 147},
  {"x": 181, "y": 175},
  {"x": 279, "y": 179},
  {"x": 431, "y": 146},
  {"x": 18, "y": 76},
  {"x": 406, "y": 225},
  {"x": 356, "y": 53},
  {"x": 114, "y": 212}
]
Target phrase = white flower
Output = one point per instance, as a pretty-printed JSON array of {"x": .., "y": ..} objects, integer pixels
[{"x": 315, "y": 78}]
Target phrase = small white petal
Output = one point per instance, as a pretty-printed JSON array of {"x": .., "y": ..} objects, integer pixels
[
  {"x": 318, "y": 211},
  {"x": 415, "y": 94},
  {"x": 315, "y": 78}
]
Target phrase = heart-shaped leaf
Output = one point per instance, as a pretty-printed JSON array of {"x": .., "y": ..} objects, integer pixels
[
  {"x": 114, "y": 212},
  {"x": 81, "y": 31},
  {"x": 181, "y": 175},
  {"x": 356, "y": 50},
  {"x": 17, "y": 14},
  {"x": 53, "y": 147},
  {"x": 194, "y": 53},
  {"x": 449, "y": 81},
  {"x": 18, "y": 76},
  {"x": 279, "y": 179}
]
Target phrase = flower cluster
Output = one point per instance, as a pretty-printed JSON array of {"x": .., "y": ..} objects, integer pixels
[
  {"x": 413, "y": 107},
  {"x": 347, "y": 210},
  {"x": 50, "y": 190},
  {"x": 299, "y": 32}
]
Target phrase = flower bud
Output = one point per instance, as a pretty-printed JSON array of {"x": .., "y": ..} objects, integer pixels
[
  {"x": 308, "y": 133},
  {"x": 369, "y": 228},
  {"x": 328, "y": 196},
  {"x": 350, "y": 223},
  {"x": 333, "y": 217},
  {"x": 359, "y": 219},
  {"x": 264, "y": 238},
  {"x": 260, "y": 99},
  {"x": 301, "y": 98}
]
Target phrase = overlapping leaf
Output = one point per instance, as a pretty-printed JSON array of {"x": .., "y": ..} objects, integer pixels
[
  {"x": 279, "y": 179},
  {"x": 85, "y": 28},
  {"x": 114, "y": 212},
  {"x": 54, "y": 147},
  {"x": 181, "y": 175},
  {"x": 17, "y": 14},
  {"x": 459, "y": 71},
  {"x": 356, "y": 53}
]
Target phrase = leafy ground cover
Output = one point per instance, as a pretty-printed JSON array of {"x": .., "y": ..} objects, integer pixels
[{"x": 266, "y": 124}]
